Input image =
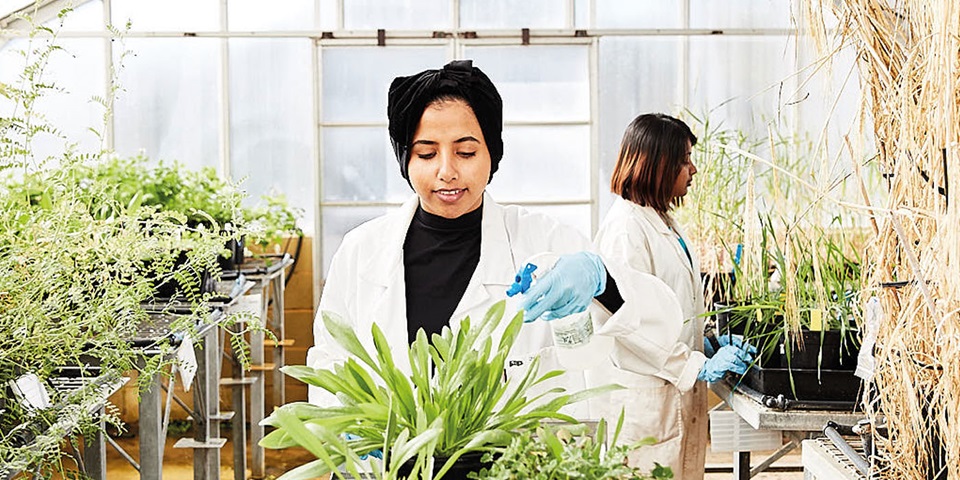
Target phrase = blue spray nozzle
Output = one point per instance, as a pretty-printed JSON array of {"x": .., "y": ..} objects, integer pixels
[{"x": 521, "y": 283}]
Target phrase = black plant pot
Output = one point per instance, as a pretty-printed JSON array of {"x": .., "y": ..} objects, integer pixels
[
  {"x": 236, "y": 247},
  {"x": 805, "y": 384},
  {"x": 829, "y": 350},
  {"x": 467, "y": 463}
]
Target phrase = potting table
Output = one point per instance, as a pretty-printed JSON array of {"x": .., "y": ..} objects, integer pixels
[
  {"x": 268, "y": 275},
  {"x": 796, "y": 424},
  {"x": 93, "y": 459},
  {"x": 206, "y": 414}
]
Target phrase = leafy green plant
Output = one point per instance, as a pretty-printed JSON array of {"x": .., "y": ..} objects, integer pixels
[
  {"x": 78, "y": 259},
  {"x": 455, "y": 401},
  {"x": 566, "y": 452},
  {"x": 807, "y": 279},
  {"x": 272, "y": 220}
]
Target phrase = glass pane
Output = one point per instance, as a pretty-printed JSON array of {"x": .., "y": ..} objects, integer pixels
[
  {"x": 71, "y": 110},
  {"x": 581, "y": 14},
  {"x": 170, "y": 106},
  {"x": 740, "y": 14},
  {"x": 543, "y": 163},
  {"x": 356, "y": 80},
  {"x": 637, "y": 75},
  {"x": 538, "y": 83},
  {"x": 741, "y": 80},
  {"x": 86, "y": 16},
  {"x": 168, "y": 15},
  {"x": 337, "y": 221},
  {"x": 576, "y": 216},
  {"x": 250, "y": 15},
  {"x": 271, "y": 120},
  {"x": 638, "y": 13},
  {"x": 504, "y": 14},
  {"x": 359, "y": 165},
  {"x": 328, "y": 15},
  {"x": 396, "y": 14}
]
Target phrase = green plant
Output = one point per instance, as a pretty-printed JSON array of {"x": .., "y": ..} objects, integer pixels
[
  {"x": 77, "y": 262},
  {"x": 201, "y": 196},
  {"x": 272, "y": 220},
  {"x": 806, "y": 279},
  {"x": 566, "y": 452},
  {"x": 455, "y": 401},
  {"x": 711, "y": 209}
]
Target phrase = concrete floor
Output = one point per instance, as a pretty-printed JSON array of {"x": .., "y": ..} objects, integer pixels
[{"x": 178, "y": 463}]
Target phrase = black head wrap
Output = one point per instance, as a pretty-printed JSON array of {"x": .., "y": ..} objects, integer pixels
[{"x": 410, "y": 96}]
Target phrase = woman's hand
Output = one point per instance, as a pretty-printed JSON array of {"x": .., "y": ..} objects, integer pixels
[{"x": 567, "y": 288}]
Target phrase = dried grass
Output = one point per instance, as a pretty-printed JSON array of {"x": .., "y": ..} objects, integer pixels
[{"x": 908, "y": 55}]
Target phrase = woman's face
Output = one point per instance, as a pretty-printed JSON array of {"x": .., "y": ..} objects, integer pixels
[
  {"x": 449, "y": 161},
  {"x": 685, "y": 177}
]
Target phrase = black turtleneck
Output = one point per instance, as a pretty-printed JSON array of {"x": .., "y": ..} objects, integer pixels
[{"x": 439, "y": 258}]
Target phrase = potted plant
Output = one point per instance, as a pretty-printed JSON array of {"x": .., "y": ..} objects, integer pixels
[
  {"x": 80, "y": 254},
  {"x": 455, "y": 403},
  {"x": 272, "y": 220},
  {"x": 796, "y": 300},
  {"x": 566, "y": 452}
]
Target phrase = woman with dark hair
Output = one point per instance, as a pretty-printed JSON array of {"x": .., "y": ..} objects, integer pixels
[
  {"x": 653, "y": 172},
  {"x": 451, "y": 251}
]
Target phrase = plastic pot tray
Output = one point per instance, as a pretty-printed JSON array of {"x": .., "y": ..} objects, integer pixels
[{"x": 808, "y": 384}]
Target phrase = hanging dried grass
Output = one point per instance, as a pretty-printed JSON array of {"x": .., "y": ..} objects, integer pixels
[{"x": 908, "y": 56}]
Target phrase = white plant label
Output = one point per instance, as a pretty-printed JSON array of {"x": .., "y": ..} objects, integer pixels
[{"x": 187, "y": 360}]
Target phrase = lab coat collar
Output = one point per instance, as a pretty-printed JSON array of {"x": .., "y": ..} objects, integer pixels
[
  {"x": 661, "y": 226},
  {"x": 496, "y": 267},
  {"x": 381, "y": 267},
  {"x": 651, "y": 215}
]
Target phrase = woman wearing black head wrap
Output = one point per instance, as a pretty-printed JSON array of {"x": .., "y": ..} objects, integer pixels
[{"x": 451, "y": 251}]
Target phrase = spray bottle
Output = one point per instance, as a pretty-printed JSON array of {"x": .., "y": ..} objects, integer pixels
[{"x": 578, "y": 348}]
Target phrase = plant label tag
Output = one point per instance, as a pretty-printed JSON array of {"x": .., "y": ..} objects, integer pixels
[
  {"x": 866, "y": 364},
  {"x": 816, "y": 320},
  {"x": 31, "y": 391},
  {"x": 187, "y": 362}
]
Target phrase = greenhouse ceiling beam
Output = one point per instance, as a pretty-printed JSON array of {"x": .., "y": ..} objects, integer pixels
[
  {"x": 42, "y": 11},
  {"x": 421, "y": 35}
]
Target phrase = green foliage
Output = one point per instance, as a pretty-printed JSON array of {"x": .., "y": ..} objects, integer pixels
[
  {"x": 455, "y": 401},
  {"x": 273, "y": 219},
  {"x": 83, "y": 243},
  {"x": 821, "y": 293},
  {"x": 200, "y": 196},
  {"x": 713, "y": 206},
  {"x": 567, "y": 452}
]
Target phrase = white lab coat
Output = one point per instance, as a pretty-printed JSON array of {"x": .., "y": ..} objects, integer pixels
[
  {"x": 366, "y": 284},
  {"x": 640, "y": 237}
]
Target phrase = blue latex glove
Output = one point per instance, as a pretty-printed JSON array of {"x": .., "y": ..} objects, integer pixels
[
  {"x": 728, "y": 359},
  {"x": 373, "y": 453},
  {"x": 724, "y": 340},
  {"x": 567, "y": 288}
]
